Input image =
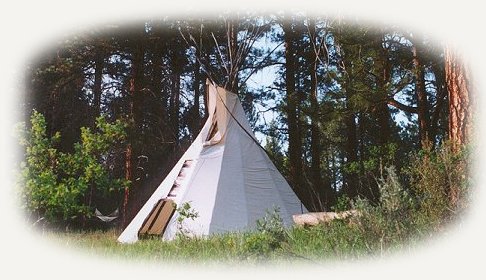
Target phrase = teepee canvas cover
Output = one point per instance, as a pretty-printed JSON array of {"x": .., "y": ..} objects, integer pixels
[{"x": 227, "y": 178}]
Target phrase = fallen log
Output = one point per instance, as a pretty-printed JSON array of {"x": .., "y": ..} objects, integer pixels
[{"x": 315, "y": 218}]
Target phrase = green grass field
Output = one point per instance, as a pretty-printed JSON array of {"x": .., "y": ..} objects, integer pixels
[{"x": 336, "y": 241}]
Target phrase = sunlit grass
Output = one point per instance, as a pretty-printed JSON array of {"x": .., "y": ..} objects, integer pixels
[{"x": 335, "y": 241}]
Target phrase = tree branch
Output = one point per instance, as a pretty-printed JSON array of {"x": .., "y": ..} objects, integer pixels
[{"x": 402, "y": 106}]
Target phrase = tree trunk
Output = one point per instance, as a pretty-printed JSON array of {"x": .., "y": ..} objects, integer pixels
[
  {"x": 157, "y": 75},
  {"x": 174, "y": 106},
  {"x": 128, "y": 176},
  {"x": 295, "y": 143},
  {"x": 205, "y": 96},
  {"x": 136, "y": 85},
  {"x": 460, "y": 100},
  {"x": 363, "y": 189},
  {"x": 97, "y": 91},
  {"x": 383, "y": 78},
  {"x": 98, "y": 81},
  {"x": 135, "y": 111},
  {"x": 351, "y": 150},
  {"x": 422, "y": 103},
  {"x": 350, "y": 130},
  {"x": 175, "y": 96},
  {"x": 367, "y": 186},
  {"x": 316, "y": 178},
  {"x": 441, "y": 102},
  {"x": 384, "y": 119},
  {"x": 315, "y": 133},
  {"x": 195, "y": 117}
]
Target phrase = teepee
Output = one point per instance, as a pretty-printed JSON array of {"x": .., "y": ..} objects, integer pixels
[{"x": 226, "y": 177}]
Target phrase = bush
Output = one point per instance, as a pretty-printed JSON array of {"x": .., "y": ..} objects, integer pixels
[
  {"x": 389, "y": 222},
  {"x": 269, "y": 236},
  {"x": 57, "y": 186},
  {"x": 440, "y": 182},
  {"x": 434, "y": 192},
  {"x": 343, "y": 203}
]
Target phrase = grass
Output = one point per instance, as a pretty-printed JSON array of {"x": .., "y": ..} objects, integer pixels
[{"x": 335, "y": 241}]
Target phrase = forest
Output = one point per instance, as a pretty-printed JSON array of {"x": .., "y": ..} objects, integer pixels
[{"x": 341, "y": 106}]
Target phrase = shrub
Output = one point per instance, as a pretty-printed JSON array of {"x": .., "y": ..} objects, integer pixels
[
  {"x": 440, "y": 182},
  {"x": 59, "y": 186},
  {"x": 343, "y": 203},
  {"x": 434, "y": 193},
  {"x": 269, "y": 236},
  {"x": 185, "y": 211},
  {"x": 391, "y": 220}
]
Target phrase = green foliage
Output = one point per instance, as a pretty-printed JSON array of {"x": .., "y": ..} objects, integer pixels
[
  {"x": 392, "y": 220},
  {"x": 377, "y": 158},
  {"x": 59, "y": 186},
  {"x": 38, "y": 172},
  {"x": 258, "y": 245},
  {"x": 272, "y": 224},
  {"x": 343, "y": 203},
  {"x": 394, "y": 199},
  {"x": 436, "y": 192},
  {"x": 269, "y": 236},
  {"x": 440, "y": 181},
  {"x": 185, "y": 211},
  {"x": 337, "y": 239}
]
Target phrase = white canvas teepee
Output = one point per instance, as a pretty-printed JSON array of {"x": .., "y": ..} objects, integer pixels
[{"x": 227, "y": 178}]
